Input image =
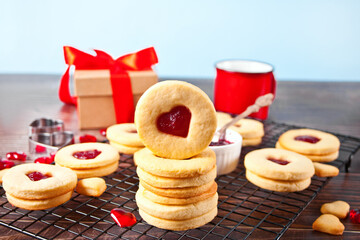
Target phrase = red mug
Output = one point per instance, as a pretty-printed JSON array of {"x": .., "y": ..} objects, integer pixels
[{"x": 239, "y": 82}]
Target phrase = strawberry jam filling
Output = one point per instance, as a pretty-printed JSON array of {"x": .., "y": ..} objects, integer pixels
[
  {"x": 221, "y": 142},
  {"x": 132, "y": 131},
  {"x": 176, "y": 122},
  {"x": 37, "y": 176},
  {"x": 307, "y": 138},
  {"x": 278, "y": 161},
  {"x": 89, "y": 154}
]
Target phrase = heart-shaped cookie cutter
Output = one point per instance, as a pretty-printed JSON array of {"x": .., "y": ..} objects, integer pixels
[{"x": 47, "y": 136}]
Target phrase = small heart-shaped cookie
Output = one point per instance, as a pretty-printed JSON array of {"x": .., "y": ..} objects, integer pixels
[
  {"x": 328, "y": 223},
  {"x": 175, "y": 122},
  {"x": 325, "y": 170},
  {"x": 337, "y": 208}
]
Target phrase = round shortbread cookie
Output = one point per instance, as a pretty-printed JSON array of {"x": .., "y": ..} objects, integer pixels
[
  {"x": 16, "y": 182},
  {"x": 222, "y": 118},
  {"x": 179, "y": 192},
  {"x": 315, "y": 158},
  {"x": 96, "y": 172},
  {"x": 108, "y": 155},
  {"x": 166, "y": 106},
  {"x": 251, "y": 141},
  {"x": 167, "y": 182},
  {"x": 261, "y": 162},
  {"x": 277, "y": 185},
  {"x": 39, "y": 204},
  {"x": 175, "y": 212},
  {"x": 249, "y": 128},
  {"x": 327, "y": 143},
  {"x": 177, "y": 201},
  {"x": 124, "y": 134},
  {"x": 179, "y": 225},
  {"x": 197, "y": 165},
  {"x": 124, "y": 148}
]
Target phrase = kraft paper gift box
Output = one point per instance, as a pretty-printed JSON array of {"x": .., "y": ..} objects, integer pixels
[
  {"x": 107, "y": 89},
  {"x": 95, "y": 95}
]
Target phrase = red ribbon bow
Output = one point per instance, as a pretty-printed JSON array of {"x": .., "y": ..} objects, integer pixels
[{"x": 120, "y": 80}]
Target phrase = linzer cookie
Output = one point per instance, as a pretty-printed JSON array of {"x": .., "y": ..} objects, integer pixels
[
  {"x": 38, "y": 186},
  {"x": 316, "y": 145},
  {"x": 124, "y": 138},
  {"x": 89, "y": 159},
  {"x": 251, "y": 130},
  {"x": 175, "y": 119},
  {"x": 278, "y": 170}
]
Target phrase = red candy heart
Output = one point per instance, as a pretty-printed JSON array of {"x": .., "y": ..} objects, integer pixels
[
  {"x": 176, "y": 122},
  {"x": 45, "y": 160},
  {"x": 87, "y": 138},
  {"x": 122, "y": 218},
  {"x": 307, "y": 138},
  {"x": 6, "y": 164},
  {"x": 19, "y": 156}
]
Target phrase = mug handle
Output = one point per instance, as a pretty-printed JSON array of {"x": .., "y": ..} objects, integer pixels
[{"x": 273, "y": 84}]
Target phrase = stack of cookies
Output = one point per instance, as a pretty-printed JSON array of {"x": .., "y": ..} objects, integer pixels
[
  {"x": 278, "y": 170},
  {"x": 124, "y": 138},
  {"x": 251, "y": 130},
  {"x": 316, "y": 145},
  {"x": 176, "y": 122}
]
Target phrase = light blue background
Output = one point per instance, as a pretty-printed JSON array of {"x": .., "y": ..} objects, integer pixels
[{"x": 304, "y": 40}]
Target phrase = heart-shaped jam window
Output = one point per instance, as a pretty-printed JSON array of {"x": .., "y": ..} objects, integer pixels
[
  {"x": 176, "y": 122},
  {"x": 122, "y": 218},
  {"x": 278, "y": 161},
  {"x": 307, "y": 138},
  {"x": 89, "y": 154},
  {"x": 37, "y": 176}
]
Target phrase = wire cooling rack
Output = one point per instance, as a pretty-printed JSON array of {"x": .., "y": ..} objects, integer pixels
[{"x": 244, "y": 209}]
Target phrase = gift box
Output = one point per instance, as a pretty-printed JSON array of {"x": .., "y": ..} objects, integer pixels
[
  {"x": 95, "y": 95},
  {"x": 107, "y": 89}
]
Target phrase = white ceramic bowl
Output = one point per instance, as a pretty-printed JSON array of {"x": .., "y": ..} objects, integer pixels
[{"x": 227, "y": 156}]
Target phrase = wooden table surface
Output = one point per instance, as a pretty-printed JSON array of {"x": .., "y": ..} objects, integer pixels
[{"x": 324, "y": 105}]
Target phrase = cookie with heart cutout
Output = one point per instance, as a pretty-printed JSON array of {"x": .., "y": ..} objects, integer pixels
[
  {"x": 309, "y": 142},
  {"x": 175, "y": 119},
  {"x": 279, "y": 164}
]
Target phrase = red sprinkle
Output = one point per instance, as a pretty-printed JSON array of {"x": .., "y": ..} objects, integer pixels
[
  {"x": 19, "y": 156},
  {"x": 4, "y": 163},
  {"x": 103, "y": 132},
  {"x": 278, "y": 161},
  {"x": 36, "y": 176},
  {"x": 40, "y": 149},
  {"x": 87, "y": 138},
  {"x": 122, "y": 218},
  {"x": 355, "y": 215},
  {"x": 45, "y": 160}
]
